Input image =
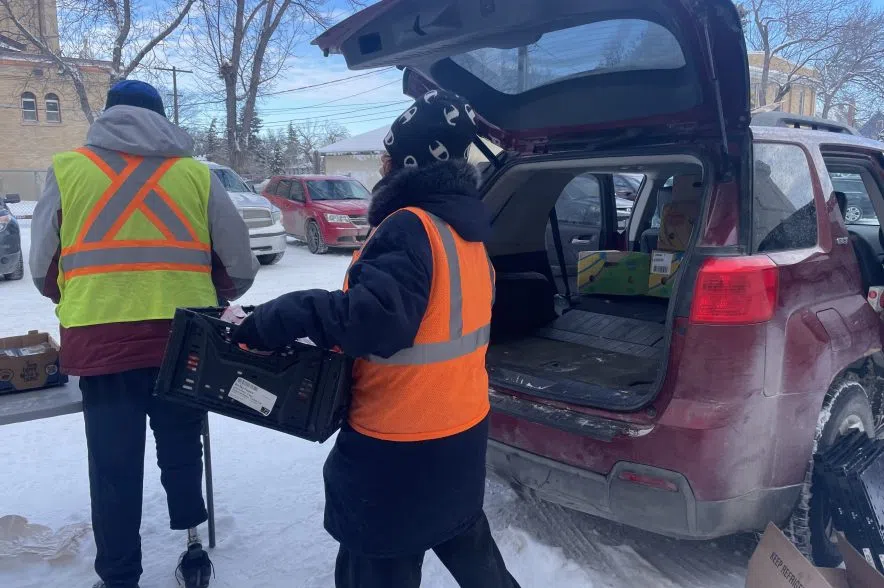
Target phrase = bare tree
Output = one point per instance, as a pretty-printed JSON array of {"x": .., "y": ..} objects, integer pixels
[
  {"x": 314, "y": 134},
  {"x": 797, "y": 31},
  {"x": 247, "y": 43},
  {"x": 851, "y": 70},
  {"x": 124, "y": 33}
]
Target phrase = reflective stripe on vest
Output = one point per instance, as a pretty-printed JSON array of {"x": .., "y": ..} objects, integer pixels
[
  {"x": 459, "y": 344},
  {"x": 135, "y": 237},
  {"x": 438, "y": 387},
  {"x": 134, "y": 187}
]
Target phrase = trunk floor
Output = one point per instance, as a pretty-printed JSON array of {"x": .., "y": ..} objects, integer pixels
[{"x": 580, "y": 357}]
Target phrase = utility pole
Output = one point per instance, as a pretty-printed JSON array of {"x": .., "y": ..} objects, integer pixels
[
  {"x": 523, "y": 68},
  {"x": 175, "y": 71}
]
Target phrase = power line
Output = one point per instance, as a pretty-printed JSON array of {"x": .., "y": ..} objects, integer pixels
[
  {"x": 301, "y": 88},
  {"x": 396, "y": 106},
  {"x": 265, "y": 111}
]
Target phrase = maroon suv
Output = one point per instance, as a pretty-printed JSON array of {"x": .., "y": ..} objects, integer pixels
[{"x": 695, "y": 415}]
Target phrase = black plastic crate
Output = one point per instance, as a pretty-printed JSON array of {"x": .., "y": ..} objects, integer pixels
[
  {"x": 301, "y": 390},
  {"x": 853, "y": 473}
]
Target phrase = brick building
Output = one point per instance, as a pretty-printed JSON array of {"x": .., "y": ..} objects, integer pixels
[
  {"x": 800, "y": 99},
  {"x": 40, "y": 112},
  {"x": 874, "y": 127}
]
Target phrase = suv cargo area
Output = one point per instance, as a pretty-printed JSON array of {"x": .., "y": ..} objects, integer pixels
[{"x": 597, "y": 349}]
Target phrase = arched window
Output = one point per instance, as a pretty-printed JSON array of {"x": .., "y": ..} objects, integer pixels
[
  {"x": 53, "y": 109},
  {"x": 28, "y": 107}
]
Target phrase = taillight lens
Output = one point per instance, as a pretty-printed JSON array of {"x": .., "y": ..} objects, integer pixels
[{"x": 735, "y": 291}]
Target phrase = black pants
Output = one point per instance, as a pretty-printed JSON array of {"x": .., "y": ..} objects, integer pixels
[
  {"x": 114, "y": 408},
  {"x": 472, "y": 558}
]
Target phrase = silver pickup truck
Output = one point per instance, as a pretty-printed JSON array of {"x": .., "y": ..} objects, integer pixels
[{"x": 264, "y": 220}]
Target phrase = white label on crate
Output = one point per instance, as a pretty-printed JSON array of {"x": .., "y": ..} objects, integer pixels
[
  {"x": 661, "y": 263},
  {"x": 252, "y": 396}
]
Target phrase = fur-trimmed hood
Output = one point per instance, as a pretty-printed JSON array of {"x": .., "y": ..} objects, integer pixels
[{"x": 447, "y": 189}]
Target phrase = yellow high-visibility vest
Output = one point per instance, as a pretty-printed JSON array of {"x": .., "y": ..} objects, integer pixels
[{"x": 135, "y": 239}]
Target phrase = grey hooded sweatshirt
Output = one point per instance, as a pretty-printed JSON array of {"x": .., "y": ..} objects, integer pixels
[{"x": 117, "y": 347}]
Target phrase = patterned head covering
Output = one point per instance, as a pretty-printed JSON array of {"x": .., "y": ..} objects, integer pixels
[{"x": 439, "y": 126}]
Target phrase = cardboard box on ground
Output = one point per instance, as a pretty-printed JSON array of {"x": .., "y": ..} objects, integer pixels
[
  {"x": 29, "y": 362},
  {"x": 776, "y": 563},
  {"x": 632, "y": 273}
]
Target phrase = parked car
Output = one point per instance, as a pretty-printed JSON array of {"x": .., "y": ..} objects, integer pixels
[
  {"x": 695, "y": 416},
  {"x": 266, "y": 233},
  {"x": 860, "y": 210},
  {"x": 627, "y": 185},
  {"x": 323, "y": 211},
  {"x": 12, "y": 265}
]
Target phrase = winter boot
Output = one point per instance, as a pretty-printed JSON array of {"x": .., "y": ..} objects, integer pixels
[{"x": 195, "y": 568}]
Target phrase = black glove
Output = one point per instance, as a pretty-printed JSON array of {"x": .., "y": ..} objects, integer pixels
[{"x": 247, "y": 333}]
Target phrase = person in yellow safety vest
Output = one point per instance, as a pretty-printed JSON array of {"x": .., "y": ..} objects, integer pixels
[
  {"x": 407, "y": 473},
  {"x": 129, "y": 228}
]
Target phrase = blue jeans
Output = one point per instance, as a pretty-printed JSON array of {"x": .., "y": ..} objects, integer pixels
[{"x": 115, "y": 408}]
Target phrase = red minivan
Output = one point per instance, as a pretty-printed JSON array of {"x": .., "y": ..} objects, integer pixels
[
  {"x": 694, "y": 415},
  {"x": 323, "y": 211}
]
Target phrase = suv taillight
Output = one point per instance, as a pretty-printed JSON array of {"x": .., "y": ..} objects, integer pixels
[{"x": 735, "y": 291}]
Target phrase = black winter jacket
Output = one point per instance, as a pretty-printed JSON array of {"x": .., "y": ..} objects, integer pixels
[{"x": 387, "y": 498}]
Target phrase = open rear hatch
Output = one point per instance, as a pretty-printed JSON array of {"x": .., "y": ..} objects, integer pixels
[
  {"x": 576, "y": 76},
  {"x": 544, "y": 74}
]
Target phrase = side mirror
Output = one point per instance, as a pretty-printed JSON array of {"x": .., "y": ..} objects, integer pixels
[
  {"x": 12, "y": 199},
  {"x": 251, "y": 187}
]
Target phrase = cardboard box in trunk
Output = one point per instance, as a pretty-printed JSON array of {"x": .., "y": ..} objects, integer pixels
[
  {"x": 776, "y": 563},
  {"x": 29, "y": 362},
  {"x": 622, "y": 273},
  {"x": 664, "y": 266}
]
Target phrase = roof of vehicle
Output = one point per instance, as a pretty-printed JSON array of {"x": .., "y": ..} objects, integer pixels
[
  {"x": 816, "y": 137},
  {"x": 312, "y": 177}
]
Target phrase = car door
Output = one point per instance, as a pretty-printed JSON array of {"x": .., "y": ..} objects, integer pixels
[
  {"x": 579, "y": 212},
  {"x": 300, "y": 208},
  {"x": 281, "y": 199}
]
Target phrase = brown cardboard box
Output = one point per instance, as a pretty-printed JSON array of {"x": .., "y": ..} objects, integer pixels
[
  {"x": 776, "y": 563},
  {"x": 664, "y": 266},
  {"x": 28, "y": 362}
]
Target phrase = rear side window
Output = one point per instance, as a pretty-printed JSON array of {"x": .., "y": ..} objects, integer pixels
[
  {"x": 784, "y": 209},
  {"x": 282, "y": 188},
  {"x": 580, "y": 202}
]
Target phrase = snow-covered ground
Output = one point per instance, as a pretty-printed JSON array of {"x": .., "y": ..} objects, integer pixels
[{"x": 269, "y": 500}]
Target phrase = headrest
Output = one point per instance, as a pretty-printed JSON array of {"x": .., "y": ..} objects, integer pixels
[{"x": 687, "y": 188}]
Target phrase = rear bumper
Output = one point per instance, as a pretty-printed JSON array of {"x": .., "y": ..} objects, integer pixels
[{"x": 673, "y": 513}]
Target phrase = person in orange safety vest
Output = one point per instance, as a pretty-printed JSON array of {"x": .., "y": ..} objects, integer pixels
[{"x": 407, "y": 473}]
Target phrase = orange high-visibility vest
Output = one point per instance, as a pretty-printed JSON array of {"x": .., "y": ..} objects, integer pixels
[
  {"x": 135, "y": 237},
  {"x": 438, "y": 387}
]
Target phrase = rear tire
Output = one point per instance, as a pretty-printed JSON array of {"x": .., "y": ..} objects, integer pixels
[
  {"x": 271, "y": 259},
  {"x": 810, "y": 527},
  {"x": 315, "y": 243},
  {"x": 19, "y": 271}
]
